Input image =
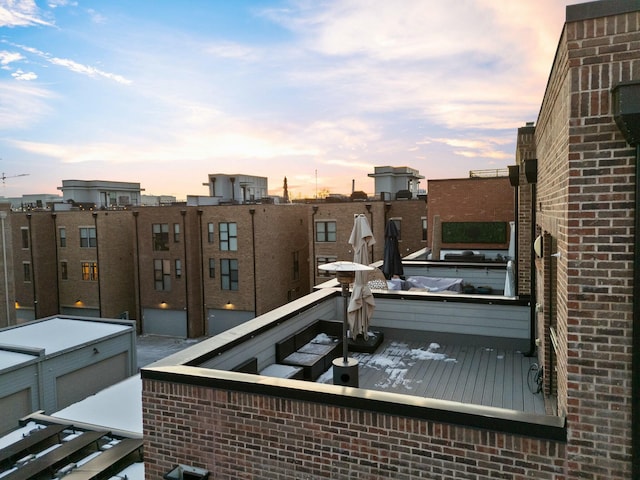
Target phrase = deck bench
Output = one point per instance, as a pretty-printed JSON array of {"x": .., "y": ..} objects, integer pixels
[
  {"x": 278, "y": 370},
  {"x": 248, "y": 366},
  {"x": 300, "y": 349}
]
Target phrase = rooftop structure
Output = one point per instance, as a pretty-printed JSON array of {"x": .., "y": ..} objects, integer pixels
[
  {"x": 51, "y": 363},
  {"x": 396, "y": 182},
  {"x": 100, "y": 193}
]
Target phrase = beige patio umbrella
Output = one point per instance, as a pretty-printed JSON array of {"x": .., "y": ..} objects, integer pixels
[{"x": 362, "y": 304}]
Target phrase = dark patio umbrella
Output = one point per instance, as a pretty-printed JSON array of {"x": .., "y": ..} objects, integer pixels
[{"x": 392, "y": 264}]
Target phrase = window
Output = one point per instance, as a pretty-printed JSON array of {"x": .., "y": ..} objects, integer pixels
[
  {"x": 322, "y": 261},
  {"x": 25, "y": 237},
  {"x": 178, "y": 267},
  {"x": 212, "y": 268},
  {"x": 162, "y": 274},
  {"x": 89, "y": 271},
  {"x": 229, "y": 274},
  {"x": 160, "y": 236},
  {"x": 325, "y": 231},
  {"x": 228, "y": 236},
  {"x": 26, "y": 270},
  {"x": 62, "y": 234},
  {"x": 210, "y": 237},
  {"x": 296, "y": 265},
  {"x": 87, "y": 237},
  {"x": 424, "y": 228},
  {"x": 64, "y": 270},
  {"x": 176, "y": 232}
]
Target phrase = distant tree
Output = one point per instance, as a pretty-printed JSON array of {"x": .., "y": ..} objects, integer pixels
[
  {"x": 324, "y": 193},
  {"x": 286, "y": 191}
]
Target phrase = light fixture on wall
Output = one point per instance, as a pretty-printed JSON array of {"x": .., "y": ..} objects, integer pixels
[{"x": 537, "y": 246}]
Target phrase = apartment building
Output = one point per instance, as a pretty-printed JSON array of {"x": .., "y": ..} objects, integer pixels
[{"x": 201, "y": 270}]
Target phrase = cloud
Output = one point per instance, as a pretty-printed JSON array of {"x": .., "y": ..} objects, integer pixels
[
  {"x": 69, "y": 64},
  {"x": 8, "y": 57},
  {"x": 473, "y": 148},
  {"x": 433, "y": 61},
  {"x": 20, "y": 13},
  {"x": 87, "y": 70},
  {"x": 20, "y": 75},
  {"x": 22, "y": 104},
  {"x": 231, "y": 50}
]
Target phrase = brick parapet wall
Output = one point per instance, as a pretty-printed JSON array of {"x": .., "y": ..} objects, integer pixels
[
  {"x": 239, "y": 435},
  {"x": 586, "y": 202}
]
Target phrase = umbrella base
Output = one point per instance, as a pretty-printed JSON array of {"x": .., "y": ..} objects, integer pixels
[
  {"x": 368, "y": 345},
  {"x": 345, "y": 374}
]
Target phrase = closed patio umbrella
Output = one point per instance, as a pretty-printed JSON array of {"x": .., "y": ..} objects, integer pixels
[
  {"x": 362, "y": 303},
  {"x": 392, "y": 262}
]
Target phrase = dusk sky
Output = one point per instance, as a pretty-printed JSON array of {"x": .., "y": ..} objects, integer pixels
[{"x": 321, "y": 91}]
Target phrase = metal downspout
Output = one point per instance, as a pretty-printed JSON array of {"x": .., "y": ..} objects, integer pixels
[
  {"x": 95, "y": 223},
  {"x": 3, "y": 216},
  {"x": 185, "y": 272},
  {"x": 635, "y": 346},
  {"x": 314, "y": 268},
  {"x": 252, "y": 211},
  {"x": 33, "y": 271}
]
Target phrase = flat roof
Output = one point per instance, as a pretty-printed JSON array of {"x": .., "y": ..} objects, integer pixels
[
  {"x": 59, "y": 334},
  {"x": 10, "y": 359}
]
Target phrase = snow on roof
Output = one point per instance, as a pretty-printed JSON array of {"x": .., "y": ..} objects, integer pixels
[
  {"x": 116, "y": 407},
  {"x": 58, "y": 334},
  {"x": 11, "y": 359}
]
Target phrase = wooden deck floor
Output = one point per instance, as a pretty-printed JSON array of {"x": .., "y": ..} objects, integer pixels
[{"x": 461, "y": 373}]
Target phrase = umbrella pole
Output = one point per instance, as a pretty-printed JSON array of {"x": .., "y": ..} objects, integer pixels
[{"x": 345, "y": 323}]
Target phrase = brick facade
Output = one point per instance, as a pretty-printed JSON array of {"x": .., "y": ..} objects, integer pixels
[
  {"x": 471, "y": 200},
  {"x": 239, "y": 435},
  {"x": 585, "y": 207}
]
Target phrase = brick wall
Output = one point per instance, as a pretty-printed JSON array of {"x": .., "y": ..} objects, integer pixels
[
  {"x": 471, "y": 200},
  {"x": 239, "y": 435},
  {"x": 525, "y": 150},
  {"x": 586, "y": 202}
]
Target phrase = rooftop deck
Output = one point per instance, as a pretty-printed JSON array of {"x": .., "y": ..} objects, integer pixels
[{"x": 467, "y": 373}]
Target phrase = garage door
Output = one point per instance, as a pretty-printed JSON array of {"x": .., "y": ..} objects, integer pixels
[
  {"x": 219, "y": 320},
  {"x": 156, "y": 321}
]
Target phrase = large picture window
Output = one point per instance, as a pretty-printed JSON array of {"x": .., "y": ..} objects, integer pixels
[{"x": 474, "y": 232}]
